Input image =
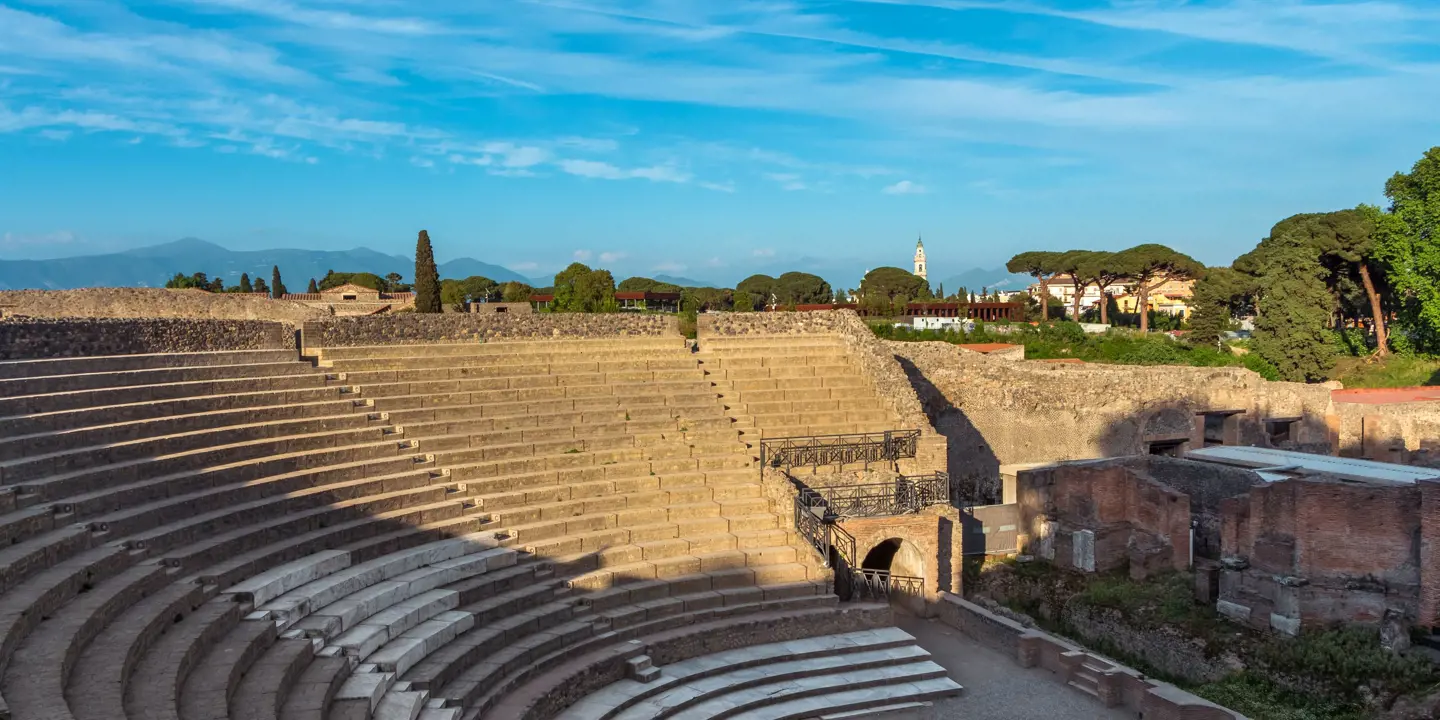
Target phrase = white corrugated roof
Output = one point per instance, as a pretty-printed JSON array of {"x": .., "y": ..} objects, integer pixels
[{"x": 1278, "y": 462}]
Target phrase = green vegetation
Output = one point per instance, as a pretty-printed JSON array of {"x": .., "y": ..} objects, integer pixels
[
  {"x": 581, "y": 289},
  {"x": 1408, "y": 247},
  {"x": 1059, "y": 340},
  {"x": 1394, "y": 371},
  {"x": 277, "y": 287},
  {"x": 787, "y": 291},
  {"x": 1331, "y": 674},
  {"x": 427, "y": 278},
  {"x": 887, "y": 290}
]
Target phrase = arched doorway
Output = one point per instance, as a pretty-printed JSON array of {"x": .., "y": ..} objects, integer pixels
[{"x": 900, "y": 558}]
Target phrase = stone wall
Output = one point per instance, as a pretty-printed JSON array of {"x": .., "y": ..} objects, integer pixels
[
  {"x": 1116, "y": 685},
  {"x": 417, "y": 329},
  {"x": 153, "y": 303},
  {"x": 1312, "y": 551},
  {"x": 999, "y": 412},
  {"x": 1407, "y": 432},
  {"x": 24, "y": 338}
]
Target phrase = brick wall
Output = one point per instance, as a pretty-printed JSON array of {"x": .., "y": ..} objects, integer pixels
[
  {"x": 24, "y": 338},
  {"x": 935, "y": 532},
  {"x": 421, "y": 328},
  {"x": 1117, "y": 501},
  {"x": 1317, "y": 550}
]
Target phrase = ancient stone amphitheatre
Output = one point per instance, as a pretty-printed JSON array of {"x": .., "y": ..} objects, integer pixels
[{"x": 433, "y": 517}]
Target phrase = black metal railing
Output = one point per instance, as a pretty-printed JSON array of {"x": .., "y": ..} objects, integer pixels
[
  {"x": 850, "y": 449},
  {"x": 905, "y": 495},
  {"x": 883, "y": 585}
]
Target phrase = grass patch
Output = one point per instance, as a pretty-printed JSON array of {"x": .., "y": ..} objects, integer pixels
[
  {"x": 1393, "y": 371},
  {"x": 1260, "y": 699}
]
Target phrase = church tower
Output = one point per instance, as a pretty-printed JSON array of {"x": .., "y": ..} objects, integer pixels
[{"x": 920, "y": 259}]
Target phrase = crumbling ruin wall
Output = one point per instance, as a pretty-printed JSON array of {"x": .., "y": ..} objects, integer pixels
[
  {"x": 152, "y": 303},
  {"x": 23, "y": 338},
  {"x": 999, "y": 412},
  {"x": 423, "y": 328},
  {"x": 1104, "y": 515},
  {"x": 1318, "y": 550},
  {"x": 1407, "y": 432}
]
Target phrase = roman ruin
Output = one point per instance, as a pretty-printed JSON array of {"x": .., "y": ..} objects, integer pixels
[{"x": 536, "y": 515}]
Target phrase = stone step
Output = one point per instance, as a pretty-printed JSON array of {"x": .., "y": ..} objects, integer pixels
[
  {"x": 462, "y": 372},
  {"x": 532, "y": 348},
  {"x": 11, "y": 369},
  {"x": 55, "y": 401},
  {"x": 525, "y": 387},
  {"x": 148, "y": 376}
]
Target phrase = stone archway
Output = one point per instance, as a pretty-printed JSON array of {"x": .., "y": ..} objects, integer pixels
[{"x": 899, "y": 556}]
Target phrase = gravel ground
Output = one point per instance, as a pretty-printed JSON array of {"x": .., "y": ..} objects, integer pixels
[{"x": 996, "y": 688}]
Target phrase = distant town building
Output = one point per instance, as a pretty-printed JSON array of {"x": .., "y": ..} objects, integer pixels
[
  {"x": 350, "y": 299},
  {"x": 646, "y": 300}
]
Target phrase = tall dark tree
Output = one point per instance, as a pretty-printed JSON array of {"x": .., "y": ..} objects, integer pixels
[
  {"x": 313, "y": 287},
  {"x": 1101, "y": 270},
  {"x": 1039, "y": 264},
  {"x": 1150, "y": 266},
  {"x": 277, "y": 287},
  {"x": 1344, "y": 239},
  {"x": 245, "y": 283},
  {"x": 1293, "y": 311},
  {"x": 261, "y": 287},
  {"x": 427, "y": 277}
]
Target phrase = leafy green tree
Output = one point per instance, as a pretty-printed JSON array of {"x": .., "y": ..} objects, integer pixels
[
  {"x": 1103, "y": 271},
  {"x": 261, "y": 287},
  {"x": 1221, "y": 295},
  {"x": 1039, "y": 264},
  {"x": 371, "y": 281},
  {"x": 1345, "y": 240},
  {"x": 515, "y": 291},
  {"x": 744, "y": 301},
  {"x": 889, "y": 289},
  {"x": 476, "y": 288},
  {"x": 313, "y": 287},
  {"x": 644, "y": 284},
  {"x": 1151, "y": 265},
  {"x": 1293, "y": 310},
  {"x": 277, "y": 286},
  {"x": 394, "y": 282},
  {"x": 578, "y": 288},
  {"x": 244, "y": 285},
  {"x": 181, "y": 281},
  {"x": 709, "y": 298},
  {"x": 1408, "y": 247},
  {"x": 427, "y": 278},
  {"x": 217, "y": 285},
  {"x": 760, "y": 288},
  {"x": 799, "y": 288},
  {"x": 1069, "y": 265}
]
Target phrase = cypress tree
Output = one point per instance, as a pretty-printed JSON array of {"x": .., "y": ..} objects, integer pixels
[
  {"x": 261, "y": 287},
  {"x": 277, "y": 288},
  {"x": 245, "y": 283},
  {"x": 1293, "y": 311},
  {"x": 313, "y": 287},
  {"x": 427, "y": 277}
]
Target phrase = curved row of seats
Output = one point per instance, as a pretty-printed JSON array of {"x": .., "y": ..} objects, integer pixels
[{"x": 426, "y": 531}]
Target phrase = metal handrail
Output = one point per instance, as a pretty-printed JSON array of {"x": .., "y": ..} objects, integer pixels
[
  {"x": 817, "y": 450},
  {"x": 907, "y": 494}
]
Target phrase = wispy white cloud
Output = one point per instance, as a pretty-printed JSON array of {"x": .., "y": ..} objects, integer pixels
[
  {"x": 422, "y": 162},
  {"x": 606, "y": 171},
  {"x": 56, "y": 135},
  {"x": 582, "y": 255},
  {"x": 763, "y": 252},
  {"x": 612, "y": 256},
  {"x": 905, "y": 187}
]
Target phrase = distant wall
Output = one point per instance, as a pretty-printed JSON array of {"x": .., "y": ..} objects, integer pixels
[
  {"x": 999, "y": 412},
  {"x": 422, "y": 328},
  {"x": 1391, "y": 432},
  {"x": 26, "y": 338}
]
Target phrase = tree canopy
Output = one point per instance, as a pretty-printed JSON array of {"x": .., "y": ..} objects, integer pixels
[
  {"x": 801, "y": 288},
  {"x": 644, "y": 284},
  {"x": 759, "y": 288},
  {"x": 1039, "y": 264},
  {"x": 578, "y": 288},
  {"x": 1151, "y": 265},
  {"x": 1408, "y": 246},
  {"x": 1293, "y": 310},
  {"x": 476, "y": 288},
  {"x": 515, "y": 291},
  {"x": 890, "y": 289},
  {"x": 334, "y": 279}
]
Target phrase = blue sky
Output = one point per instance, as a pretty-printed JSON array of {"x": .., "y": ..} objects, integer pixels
[{"x": 703, "y": 138}]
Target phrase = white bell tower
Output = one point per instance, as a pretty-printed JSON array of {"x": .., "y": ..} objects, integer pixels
[{"x": 920, "y": 259}]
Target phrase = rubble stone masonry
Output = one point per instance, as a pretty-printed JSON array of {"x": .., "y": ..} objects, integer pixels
[
  {"x": 999, "y": 412},
  {"x": 24, "y": 338},
  {"x": 419, "y": 329}
]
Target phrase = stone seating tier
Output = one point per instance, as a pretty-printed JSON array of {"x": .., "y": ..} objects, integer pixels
[{"x": 248, "y": 535}]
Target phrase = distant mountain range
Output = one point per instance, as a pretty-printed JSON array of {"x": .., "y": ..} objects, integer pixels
[{"x": 152, "y": 266}]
